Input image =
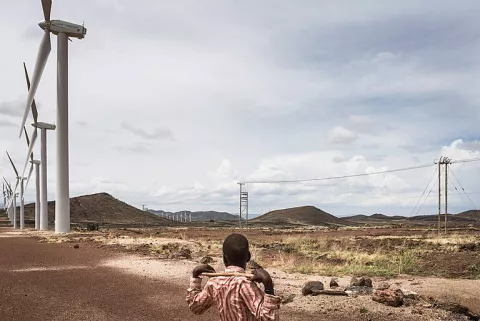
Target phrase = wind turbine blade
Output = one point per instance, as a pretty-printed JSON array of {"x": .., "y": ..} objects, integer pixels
[
  {"x": 42, "y": 57},
  {"x": 30, "y": 151},
  {"x": 26, "y": 136},
  {"x": 29, "y": 175},
  {"x": 34, "y": 106},
  {"x": 14, "y": 168},
  {"x": 15, "y": 189},
  {"x": 8, "y": 184},
  {"x": 47, "y": 8}
]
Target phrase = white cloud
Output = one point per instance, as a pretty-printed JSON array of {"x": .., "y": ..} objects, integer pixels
[
  {"x": 341, "y": 135},
  {"x": 226, "y": 171},
  {"x": 232, "y": 91}
]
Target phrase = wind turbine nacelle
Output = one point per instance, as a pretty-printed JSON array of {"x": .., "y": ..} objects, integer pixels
[{"x": 59, "y": 26}]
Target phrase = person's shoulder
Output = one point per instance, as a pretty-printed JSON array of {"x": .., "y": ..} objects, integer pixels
[{"x": 244, "y": 281}]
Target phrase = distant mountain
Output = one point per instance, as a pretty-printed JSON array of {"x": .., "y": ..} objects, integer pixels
[
  {"x": 471, "y": 214},
  {"x": 304, "y": 215},
  {"x": 201, "y": 216},
  {"x": 450, "y": 217},
  {"x": 386, "y": 217},
  {"x": 101, "y": 207}
]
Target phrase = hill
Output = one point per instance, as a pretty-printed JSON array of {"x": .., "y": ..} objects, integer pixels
[
  {"x": 304, "y": 215},
  {"x": 101, "y": 207},
  {"x": 202, "y": 216},
  {"x": 373, "y": 218},
  {"x": 471, "y": 214}
]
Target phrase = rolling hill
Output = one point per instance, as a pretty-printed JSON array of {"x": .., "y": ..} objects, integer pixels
[
  {"x": 101, "y": 207},
  {"x": 304, "y": 215}
]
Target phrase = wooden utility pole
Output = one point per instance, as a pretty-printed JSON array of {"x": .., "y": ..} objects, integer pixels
[
  {"x": 446, "y": 161},
  {"x": 443, "y": 161},
  {"x": 439, "y": 193}
]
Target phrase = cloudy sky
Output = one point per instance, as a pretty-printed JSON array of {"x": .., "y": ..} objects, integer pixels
[{"x": 173, "y": 102}]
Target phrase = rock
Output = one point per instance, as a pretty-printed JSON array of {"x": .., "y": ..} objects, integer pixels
[
  {"x": 388, "y": 297},
  {"x": 311, "y": 287},
  {"x": 469, "y": 247},
  {"x": 456, "y": 308},
  {"x": 383, "y": 286},
  {"x": 361, "y": 281},
  {"x": 76, "y": 246},
  {"x": 254, "y": 265},
  {"x": 409, "y": 302},
  {"x": 207, "y": 260},
  {"x": 186, "y": 253},
  {"x": 334, "y": 283},
  {"x": 410, "y": 294},
  {"x": 288, "y": 298},
  {"x": 358, "y": 290}
]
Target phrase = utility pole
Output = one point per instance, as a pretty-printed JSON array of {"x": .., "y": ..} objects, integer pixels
[
  {"x": 439, "y": 193},
  {"x": 447, "y": 161},
  {"x": 240, "y": 206},
  {"x": 443, "y": 161},
  {"x": 243, "y": 204}
]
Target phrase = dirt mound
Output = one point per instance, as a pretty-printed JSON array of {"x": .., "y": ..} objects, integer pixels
[
  {"x": 304, "y": 215},
  {"x": 103, "y": 208}
]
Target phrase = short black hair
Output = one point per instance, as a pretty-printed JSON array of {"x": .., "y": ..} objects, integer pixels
[{"x": 235, "y": 249}]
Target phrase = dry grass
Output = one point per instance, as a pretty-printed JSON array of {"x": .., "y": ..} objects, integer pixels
[
  {"x": 316, "y": 252},
  {"x": 373, "y": 256}
]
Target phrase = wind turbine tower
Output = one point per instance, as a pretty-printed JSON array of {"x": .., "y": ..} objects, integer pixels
[{"x": 63, "y": 30}]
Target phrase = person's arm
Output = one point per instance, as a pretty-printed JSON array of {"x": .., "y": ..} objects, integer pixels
[
  {"x": 199, "y": 300},
  {"x": 264, "y": 306}
]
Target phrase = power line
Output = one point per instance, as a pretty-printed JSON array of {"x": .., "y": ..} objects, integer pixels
[
  {"x": 459, "y": 194},
  {"x": 428, "y": 195},
  {"x": 426, "y": 187},
  {"x": 340, "y": 177},
  {"x": 357, "y": 175},
  {"x": 467, "y": 160},
  {"x": 462, "y": 188}
]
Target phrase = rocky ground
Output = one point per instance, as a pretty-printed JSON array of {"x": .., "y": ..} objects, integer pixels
[{"x": 170, "y": 255}]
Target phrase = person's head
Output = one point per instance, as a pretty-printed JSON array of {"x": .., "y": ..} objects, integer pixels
[{"x": 235, "y": 250}]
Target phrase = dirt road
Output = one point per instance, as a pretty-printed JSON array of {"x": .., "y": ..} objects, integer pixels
[
  {"x": 40, "y": 281},
  {"x": 56, "y": 281}
]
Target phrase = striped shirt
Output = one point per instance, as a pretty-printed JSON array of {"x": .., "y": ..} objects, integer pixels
[{"x": 236, "y": 298}]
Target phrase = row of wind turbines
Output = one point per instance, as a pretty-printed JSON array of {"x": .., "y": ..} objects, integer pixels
[{"x": 64, "y": 31}]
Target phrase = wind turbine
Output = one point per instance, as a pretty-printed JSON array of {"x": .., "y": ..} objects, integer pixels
[
  {"x": 22, "y": 212},
  {"x": 41, "y": 206},
  {"x": 9, "y": 195},
  {"x": 63, "y": 30},
  {"x": 4, "y": 196},
  {"x": 35, "y": 163}
]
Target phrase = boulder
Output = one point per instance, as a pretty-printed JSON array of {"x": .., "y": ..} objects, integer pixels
[
  {"x": 334, "y": 283},
  {"x": 384, "y": 286},
  {"x": 361, "y": 281},
  {"x": 388, "y": 297},
  {"x": 410, "y": 294},
  {"x": 311, "y": 287}
]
